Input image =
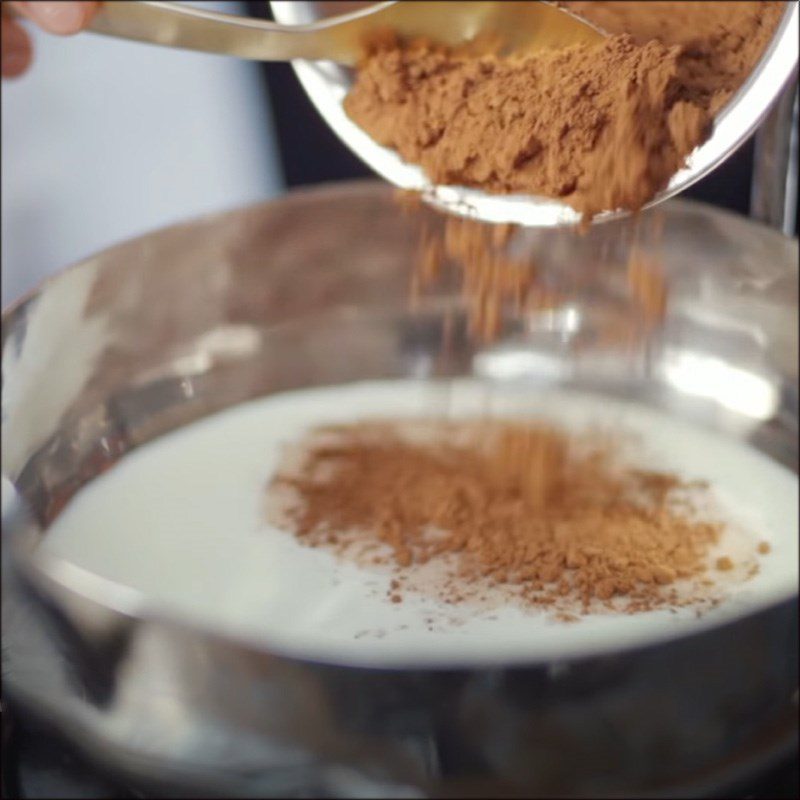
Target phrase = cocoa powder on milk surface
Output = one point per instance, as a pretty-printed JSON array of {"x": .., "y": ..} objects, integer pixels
[
  {"x": 557, "y": 520},
  {"x": 599, "y": 127}
]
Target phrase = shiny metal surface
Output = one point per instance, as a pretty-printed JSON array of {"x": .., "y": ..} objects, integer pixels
[
  {"x": 523, "y": 27},
  {"x": 774, "y": 192},
  {"x": 327, "y": 85},
  {"x": 168, "y": 328}
]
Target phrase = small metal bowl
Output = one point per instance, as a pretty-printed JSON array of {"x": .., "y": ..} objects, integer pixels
[
  {"x": 171, "y": 327},
  {"x": 327, "y": 85}
]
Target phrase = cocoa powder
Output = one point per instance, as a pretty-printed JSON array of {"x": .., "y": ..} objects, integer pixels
[
  {"x": 599, "y": 127},
  {"x": 494, "y": 285},
  {"x": 557, "y": 519},
  {"x": 721, "y": 40}
]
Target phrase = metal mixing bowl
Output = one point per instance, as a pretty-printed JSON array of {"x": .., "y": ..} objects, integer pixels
[
  {"x": 310, "y": 290},
  {"x": 327, "y": 84}
]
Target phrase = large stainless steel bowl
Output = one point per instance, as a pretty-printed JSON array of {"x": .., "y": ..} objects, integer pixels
[{"x": 310, "y": 290}]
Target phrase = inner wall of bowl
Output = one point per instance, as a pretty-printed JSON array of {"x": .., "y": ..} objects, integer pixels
[
  {"x": 709, "y": 375},
  {"x": 165, "y": 330}
]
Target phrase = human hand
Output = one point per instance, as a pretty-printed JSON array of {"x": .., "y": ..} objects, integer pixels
[{"x": 53, "y": 17}]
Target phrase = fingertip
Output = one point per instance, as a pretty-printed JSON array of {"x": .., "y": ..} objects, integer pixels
[
  {"x": 61, "y": 18},
  {"x": 15, "y": 64},
  {"x": 17, "y": 50}
]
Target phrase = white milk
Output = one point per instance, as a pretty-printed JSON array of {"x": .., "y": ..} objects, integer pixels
[{"x": 181, "y": 520}]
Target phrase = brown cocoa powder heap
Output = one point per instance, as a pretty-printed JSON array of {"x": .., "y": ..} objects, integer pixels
[
  {"x": 517, "y": 504},
  {"x": 599, "y": 127},
  {"x": 721, "y": 40}
]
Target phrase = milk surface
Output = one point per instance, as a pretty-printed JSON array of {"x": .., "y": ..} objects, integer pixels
[{"x": 182, "y": 522}]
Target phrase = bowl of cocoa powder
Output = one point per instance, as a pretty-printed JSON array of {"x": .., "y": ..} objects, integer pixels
[
  {"x": 561, "y": 136},
  {"x": 465, "y": 510}
]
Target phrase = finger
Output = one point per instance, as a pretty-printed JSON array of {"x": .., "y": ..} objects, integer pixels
[
  {"x": 17, "y": 51},
  {"x": 58, "y": 17}
]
